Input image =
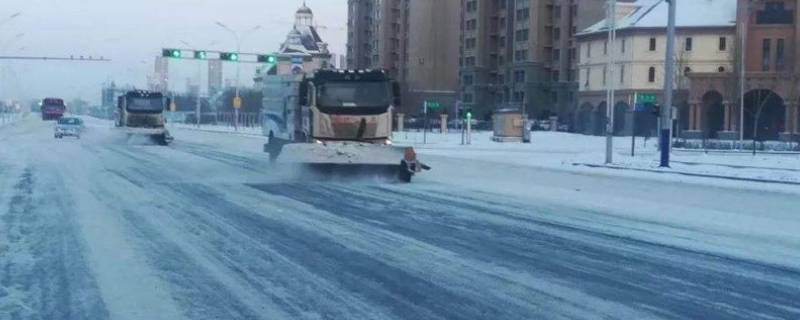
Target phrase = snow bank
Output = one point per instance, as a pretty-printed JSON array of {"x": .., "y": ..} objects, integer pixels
[{"x": 564, "y": 151}]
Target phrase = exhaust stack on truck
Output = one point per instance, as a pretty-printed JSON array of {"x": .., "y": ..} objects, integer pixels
[{"x": 335, "y": 120}]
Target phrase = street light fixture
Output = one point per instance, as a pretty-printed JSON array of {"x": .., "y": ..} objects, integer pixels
[
  {"x": 239, "y": 40},
  {"x": 9, "y": 18}
]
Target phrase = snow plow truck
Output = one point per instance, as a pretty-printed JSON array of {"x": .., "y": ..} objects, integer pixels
[
  {"x": 141, "y": 113},
  {"x": 336, "y": 121}
]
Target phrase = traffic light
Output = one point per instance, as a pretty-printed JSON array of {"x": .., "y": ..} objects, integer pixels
[
  {"x": 267, "y": 58},
  {"x": 201, "y": 55},
  {"x": 229, "y": 56},
  {"x": 171, "y": 53}
]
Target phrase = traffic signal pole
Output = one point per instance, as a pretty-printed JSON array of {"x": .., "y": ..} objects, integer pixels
[{"x": 669, "y": 74}]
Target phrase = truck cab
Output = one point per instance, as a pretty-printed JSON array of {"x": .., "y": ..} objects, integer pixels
[
  {"x": 142, "y": 113},
  {"x": 330, "y": 105}
]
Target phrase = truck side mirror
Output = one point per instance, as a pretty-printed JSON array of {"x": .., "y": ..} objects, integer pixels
[
  {"x": 303, "y": 94},
  {"x": 168, "y": 104},
  {"x": 396, "y": 94}
]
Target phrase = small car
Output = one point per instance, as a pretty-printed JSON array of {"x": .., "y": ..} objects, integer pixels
[{"x": 68, "y": 126}]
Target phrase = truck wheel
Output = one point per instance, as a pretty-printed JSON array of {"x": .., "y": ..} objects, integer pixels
[{"x": 403, "y": 173}]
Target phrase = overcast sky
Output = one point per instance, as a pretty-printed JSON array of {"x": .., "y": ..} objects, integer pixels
[{"x": 132, "y": 33}]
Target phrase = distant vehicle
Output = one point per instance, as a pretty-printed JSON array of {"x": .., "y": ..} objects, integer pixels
[
  {"x": 53, "y": 109},
  {"x": 68, "y": 127},
  {"x": 142, "y": 113},
  {"x": 336, "y": 119}
]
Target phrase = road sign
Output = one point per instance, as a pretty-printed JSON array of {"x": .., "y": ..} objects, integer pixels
[
  {"x": 237, "y": 102},
  {"x": 646, "y": 98},
  {"x": 433, "y": 105}
]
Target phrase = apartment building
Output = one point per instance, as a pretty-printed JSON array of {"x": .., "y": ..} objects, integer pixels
[
  {"x": 416, "y": 41},
  {"x": 521, "y": 54}
]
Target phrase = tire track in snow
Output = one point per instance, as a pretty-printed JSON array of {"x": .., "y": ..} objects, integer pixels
[
  {"x": 642, "y": 275},
  {"x": 44, "y": 273},
  {"x": 197, "y": 283}
]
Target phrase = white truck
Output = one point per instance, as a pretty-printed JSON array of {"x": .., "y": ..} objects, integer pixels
[{"x": 336, "y": 120}]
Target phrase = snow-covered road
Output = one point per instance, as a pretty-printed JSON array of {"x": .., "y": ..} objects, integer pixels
[{"x": 204, "y": 229}]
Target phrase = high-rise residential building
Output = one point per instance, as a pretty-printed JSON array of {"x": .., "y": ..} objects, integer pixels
[
  {"x": 214, "y": 77},
  {"x": 160, "y": 80},
  {"x": 415, "y": 41},
  {"x": 359, "y": 33},
  {"x": 521, "y": 54}
]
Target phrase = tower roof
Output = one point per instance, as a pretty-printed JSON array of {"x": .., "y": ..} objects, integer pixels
[{"x": 304, "y": 9}]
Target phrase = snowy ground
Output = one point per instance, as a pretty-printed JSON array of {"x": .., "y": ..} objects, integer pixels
[
  {"x": 105, "y": 227},
  {"x": 564, "y": 150}
]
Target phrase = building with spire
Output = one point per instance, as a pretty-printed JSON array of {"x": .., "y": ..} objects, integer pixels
[{"x": 303, "y": 51}]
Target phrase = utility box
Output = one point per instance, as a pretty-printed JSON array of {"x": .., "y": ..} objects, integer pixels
[{"x": 510, "y": 125}]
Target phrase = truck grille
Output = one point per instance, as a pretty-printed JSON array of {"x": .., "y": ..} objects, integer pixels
[{"x": 144, "y": 121}]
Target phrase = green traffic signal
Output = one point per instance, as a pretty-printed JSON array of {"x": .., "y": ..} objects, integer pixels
[
  {"x": 264, "y": 58},
  {"x": 202, "y": 55},
  {"x": 171, "y": 53},
  {"x": 229, "y": 56}
]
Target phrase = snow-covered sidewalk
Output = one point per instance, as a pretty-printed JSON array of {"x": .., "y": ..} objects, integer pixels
[{"x": 580, "y": 152}]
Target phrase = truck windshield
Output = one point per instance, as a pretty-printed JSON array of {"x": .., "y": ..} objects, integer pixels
[
  {"x": 145, "y": 104},
  {"x": 355, "y": 94}
]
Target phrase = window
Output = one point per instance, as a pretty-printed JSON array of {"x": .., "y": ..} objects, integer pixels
[
  {"x": 521, "y": 35},
  {"x": 468, "y": 80},
  {"x": 556, "y": 34},
  {"x": 622, "y": 74},
  {"x": 721, "y": 69},
  {"x": 519, "y": 76},
  {"x": 468, "y": 98},
  {"x": 688, "y": 45},
  {"x": 604, "y": 75},
  {"x": 651, "y": 75},
  {"x": 519, "y": 96},
  {"x": 774, "y": 13},
  {"x": 471, "y": 24},
  {"x": 521, "y": 55},
  {"x": 470, "y": 43},
  {"x": 605, "y": 47},
  {"x": 588, "y": 75},
  {"x": 556, "y": 54},
  {"x": 469, "y": 61},
  {"x": 588, "y": 49},
  {"x": 686, "y": 71},
  {"x": 472, "y": 6},
  {"x": 652, "y": 44},
  {"x": 523, "y": 14},
  {"x": 501, "y": 60},
  {"x": 766, "y": 54},
  {"x": 723, "y": 44},
  {"x": 623, "y": 46},
  {"x": 501, "y": 42},
  {"x": 556, "y": 76},
  {"x": 780, "y": 56}
]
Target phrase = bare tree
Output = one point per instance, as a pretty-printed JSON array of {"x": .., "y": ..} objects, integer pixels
[{"x": 757, "y": 112}]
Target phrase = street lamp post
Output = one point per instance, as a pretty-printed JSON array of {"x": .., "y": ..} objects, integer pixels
[
  {"x": 238, "y": 68},
  {"x": 612, "y": 37},
  {"x": 669, "y": 74}
]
